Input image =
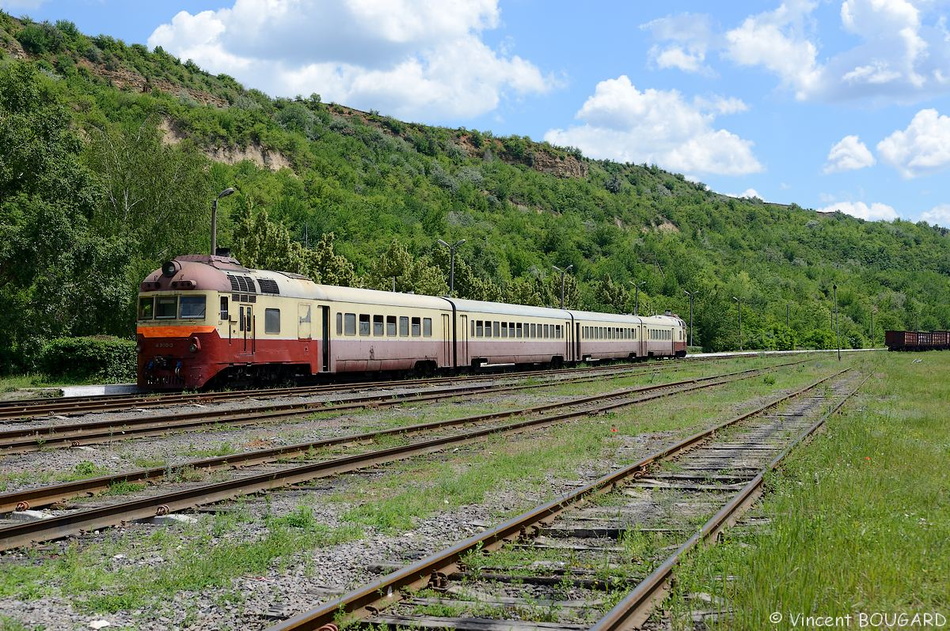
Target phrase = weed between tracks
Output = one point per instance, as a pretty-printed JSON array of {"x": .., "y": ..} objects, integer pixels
[
  {"x": 131, "y": 571},
  {"x": 857, "y": 522}
]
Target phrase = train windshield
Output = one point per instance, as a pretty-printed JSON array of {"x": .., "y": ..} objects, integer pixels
[{"x": 172, "y": 307}]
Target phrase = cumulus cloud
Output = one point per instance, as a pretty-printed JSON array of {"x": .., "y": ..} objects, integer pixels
[
  {"x": 874, "y": 212},
  {"x": 922, "y": 148},
  {"x": 939, "y": 215},
  {"x": 657, "y": 126},
  {"x": 774, "y": 40},
  {"x": 848, "y": 154},
  {"x": 901, "y": 54},
  {"x": 691, "y": 36},
  {"x": 418, "y": 60}
]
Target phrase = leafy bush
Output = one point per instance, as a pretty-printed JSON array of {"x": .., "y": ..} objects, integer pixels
[
  {"x": 41, "y": 38},
  {"x": 106, "y": 359}
]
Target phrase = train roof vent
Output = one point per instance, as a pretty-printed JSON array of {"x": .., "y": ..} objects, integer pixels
[
  {"x": 244, "y": 284},
  {"x": 268, "y": 286}
]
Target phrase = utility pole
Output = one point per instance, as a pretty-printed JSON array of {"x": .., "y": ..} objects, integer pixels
[
  {"x": 452, "y": 249},
  {"x": 214, "y": 219},
  {"x": 563, "y": 273}
]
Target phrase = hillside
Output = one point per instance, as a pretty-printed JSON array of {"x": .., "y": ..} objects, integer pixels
[{"x": 113, "y": 155}]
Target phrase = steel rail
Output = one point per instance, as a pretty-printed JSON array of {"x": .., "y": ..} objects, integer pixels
[
  {"x": 32, "y": 408},
  {"x": 75, "y": 523},
  {"x": 368, "y": 600},
  {"x": 36, "y": 438},
  {"x": 51, "y": 494},
  {"x": 636, "y": 607}
]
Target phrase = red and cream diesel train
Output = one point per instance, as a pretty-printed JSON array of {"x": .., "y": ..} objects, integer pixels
[{"x": 207, "y": 319}]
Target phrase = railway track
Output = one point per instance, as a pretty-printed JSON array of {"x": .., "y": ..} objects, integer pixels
[
  {"x": 61, "y": 435},
  {"x": 596, "y": 558},
  {"x": 71, "y": 406},
  {"x": 79, "y": 521}
]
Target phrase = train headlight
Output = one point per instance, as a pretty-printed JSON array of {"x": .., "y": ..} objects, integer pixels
[{"x": 195, "y": 345}]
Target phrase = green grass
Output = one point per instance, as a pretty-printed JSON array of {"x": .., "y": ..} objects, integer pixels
[
  {"x": 860, "y": 517},
  {"x": 194, "y": 557}
]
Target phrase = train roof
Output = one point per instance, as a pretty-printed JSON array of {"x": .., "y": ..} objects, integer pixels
[
  {"x": 502, "y": 308},
  {"x": 226, "y": 274}
]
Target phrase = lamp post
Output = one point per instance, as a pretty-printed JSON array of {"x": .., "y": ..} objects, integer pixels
[
  {"x": 739, "y": 312},
  {"x": 452, "y": 249},
  {"x": 837, "y": 328},
  {"x": 214, "y": 219},
  {"x": 636, "y": 302},
  {"x": 563, "y": 273},
  {"x": 690, "y": 294}
]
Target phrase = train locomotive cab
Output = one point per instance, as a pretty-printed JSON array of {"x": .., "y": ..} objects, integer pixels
[{"x": 202, "y": 317}]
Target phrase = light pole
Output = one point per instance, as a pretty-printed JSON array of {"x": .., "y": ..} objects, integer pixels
[
  {"x": 636, "y": 302},
  {"x": 563, "y": 273},
  {"x": 837, "y": 328},
  {"x": 690, "y": 294},
  {"x": 739, "y": 311},
  {"x": 214, "y": 219},
  {"x": 452, "y": 249}
]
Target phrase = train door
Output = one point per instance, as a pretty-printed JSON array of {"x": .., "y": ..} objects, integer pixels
[
  {"x": 447, "y": 341},
  {"x": 324, "y": 325},
  {"x": 246, "y": 327},
  {"x": 568, "y": 340},
  {"x": 577, "y": 343},
  {"x": 461, "y": 340}
]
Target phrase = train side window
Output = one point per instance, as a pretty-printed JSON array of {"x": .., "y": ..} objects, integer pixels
[
  {"x": 147, "y": 308},
  {"x": 427, "y": 327},
  {"x": 224, "y": 315},
  {"x": 379, "y": 328},
  {"x": 519, "y": 330},
  {"x": 560, "y": 332},
  {"x": 416, "y": 327},
  {"x": 349, "y": 324},
  {"x": 272, "y": 321},
  {"x": 391, "y": 326},
  {"x": 496, "y": 329},
  {"x": 339, "y": 324},
  {"x": 534, "y": 330},
  {"x": 364, "y": 324},
  {"x": 192, "y": 307},
  {"x": 403, "y": 326},
  {"x": 488, "y": 326},
  {"x": 479, "y": 328},
  {"x": 504, "y": 329},
  {"x": 166, "y": 307}
]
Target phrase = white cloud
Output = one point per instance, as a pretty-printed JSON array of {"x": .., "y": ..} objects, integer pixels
[
  {"x": 774, "y": 40},
  {"x": 692, "y": 36},
  {"x": 922, "y": 148},
  {"x": 874, "y": 212},
  {"x": 848, "y": 154},
  {"x": 659, "y": 127},
  {"x": 418, "y": 60},
  {"x": 939, "y": 215},
  {"x": 749, "y": 193},
  {"x": 901, "y": 54}
]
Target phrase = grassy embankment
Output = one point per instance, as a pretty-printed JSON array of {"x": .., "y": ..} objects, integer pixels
[{"x": 859, "y": 519}]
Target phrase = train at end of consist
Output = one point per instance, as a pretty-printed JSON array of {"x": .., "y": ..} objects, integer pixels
[
  {"x": 917, "y": 340},
  {"x": 207, "y": 320}
]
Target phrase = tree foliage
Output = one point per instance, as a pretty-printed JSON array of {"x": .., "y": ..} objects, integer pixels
[{"x": 100, "y": 185}]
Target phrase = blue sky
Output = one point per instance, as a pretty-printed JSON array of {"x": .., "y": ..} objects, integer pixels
[{"x": 830, "y": 104}]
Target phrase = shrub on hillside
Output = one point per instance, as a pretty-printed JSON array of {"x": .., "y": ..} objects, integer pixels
[{"x": 102, "y": 359}]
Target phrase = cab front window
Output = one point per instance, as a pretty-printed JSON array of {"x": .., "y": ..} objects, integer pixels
[
  {"x": 146, "y": 308},
  {"x": 166, "y": 307},
  {"x": 192, "y": 308}
]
